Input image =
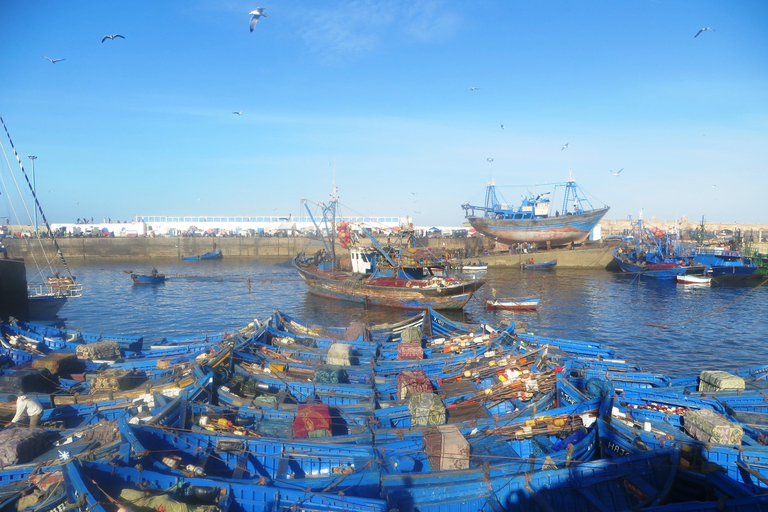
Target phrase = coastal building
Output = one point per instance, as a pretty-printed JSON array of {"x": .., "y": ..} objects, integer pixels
[{"x": 220, "y": 225}]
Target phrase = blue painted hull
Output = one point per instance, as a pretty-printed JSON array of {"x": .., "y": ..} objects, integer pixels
[
  {"x": 556, "y": 230},
  {"x": 147, "y": 279},
  {"x": 215, "y": 255}
]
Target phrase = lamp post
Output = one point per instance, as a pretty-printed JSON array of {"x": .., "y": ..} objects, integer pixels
[{"x": 34, "y": 188}]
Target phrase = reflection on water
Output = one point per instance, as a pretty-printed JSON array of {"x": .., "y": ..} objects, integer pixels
[{"x": 663, "y": 326}]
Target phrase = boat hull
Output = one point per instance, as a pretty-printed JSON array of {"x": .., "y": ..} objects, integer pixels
[
  {"x": 513, "y": 305},
  {"x": 690, "y": 279},
  {"x": 556, "y": 230},
  {"x": 351, "y": 287},
  {"x": 140, "y": 279},
  {"x": 539, "y": 265},
  {"x": 45, "y": 307}
]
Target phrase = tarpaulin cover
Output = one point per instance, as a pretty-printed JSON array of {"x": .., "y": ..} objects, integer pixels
[
  {"x": 426, "y": 409},
  {"x": 446, "y": 448},
  {"x": 99, "y": 350},
  {"x": 339, "y": 354},
  {"x": 330, "y": 374},
  {"x": 58, "y": 363},
  {"x": 311, "y": 417},
  {"x": 19, "y": 445},
  {"x": 716, "y": 380},
  {"x": 355, "y": 331},
  {"x": 411, "y": 335},
  {"x": 410, "y": 382},
  {"x": 409, "y": 351},
  {"x": 708, "y": 426}
]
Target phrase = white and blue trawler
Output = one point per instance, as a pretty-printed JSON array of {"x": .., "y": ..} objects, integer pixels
[{"x": 533, "y": 220}]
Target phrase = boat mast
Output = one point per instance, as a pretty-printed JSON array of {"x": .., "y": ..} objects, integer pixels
[{"x": 37, "y": 203}]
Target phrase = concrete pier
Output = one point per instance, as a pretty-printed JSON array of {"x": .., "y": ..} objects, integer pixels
[{"x": 92, "y": 250}]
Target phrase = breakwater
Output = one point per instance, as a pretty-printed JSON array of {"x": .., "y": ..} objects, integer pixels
[{"x": 90, "y": 250}]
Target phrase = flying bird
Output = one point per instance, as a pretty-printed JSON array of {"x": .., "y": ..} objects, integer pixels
[
  {"x": 255, "y": 15},
  {"x": 702, "y": 30},
  {"x": 54, "y": 61},
  {"x": 489, "y": 160},
  {"x": 565, "y": 147},
  {"x": 502, "y": 127},
  {"x": 617, "y": 172},
  {"x": 473, "y": 88},
  {"x": 113, "y": 36},
  {"x": 238, "y": 113}
]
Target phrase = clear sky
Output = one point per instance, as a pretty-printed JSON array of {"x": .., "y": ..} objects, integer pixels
[{"x": 145, "y": 125}]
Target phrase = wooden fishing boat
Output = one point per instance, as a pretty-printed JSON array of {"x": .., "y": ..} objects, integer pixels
[
  {"x": 541, "y": 265},
  {"x": 630, "y": 430},
  {"x": 214, "y": 255},
  {"x": 655, "y": 254},
  {"x": 148, "y": 278},
  {"x": 96, "y": 484},
  {"x": 477, "y": 266},
  {"x": 399, "y": 275},
  {"x": 410, "y": 284},
  {"x": 724, "y": 265},
  {"x": 529, "y": 303}
]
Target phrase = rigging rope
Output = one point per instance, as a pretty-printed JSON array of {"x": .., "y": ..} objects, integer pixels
[{"x": 34, "y": 196}]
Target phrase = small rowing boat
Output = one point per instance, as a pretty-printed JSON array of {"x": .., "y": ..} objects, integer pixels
[
  {"x": 539, "y": 265},
  {"x": 477, "y": 266},
  {"x": 215, "y": 255},
  {"x": 694, "y": 279},
  {"x": 148, "y": 278},
  {"x": 513, "y": 304}
]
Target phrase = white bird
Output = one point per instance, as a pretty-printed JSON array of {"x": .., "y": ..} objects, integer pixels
[
  {"x": 238, "y": 113},
  {"x": 113, "y": 36},
  {"x": 473, "y": 89},
  {"x": 702, "y": 30},
  {"x": 489, "y": 160},
  {"x": 502, "y": 127},
  {"x": 617, "y": 172},
  {"x": 564, "y": 147},
  {"x": 255, "y": 15},
  {"x": 54, "y": 61}
]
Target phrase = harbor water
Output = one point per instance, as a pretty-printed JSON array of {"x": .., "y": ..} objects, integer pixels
[{"x": 665, "y": 327}]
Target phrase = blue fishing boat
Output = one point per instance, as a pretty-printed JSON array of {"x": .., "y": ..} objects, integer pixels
[
  {"x": 655, "y": 254},
  {"x": 724, "y": 265},
  {"x": 533, "y": 220},
  {"x": 96, "y": 483},
  {"x": 148, "y": 278},
  {"x": 540, "y": 265},
  {"x": 214, "y": 255}
]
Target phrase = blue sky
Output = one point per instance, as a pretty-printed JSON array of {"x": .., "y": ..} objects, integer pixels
[{"x": 144, "y": 125}]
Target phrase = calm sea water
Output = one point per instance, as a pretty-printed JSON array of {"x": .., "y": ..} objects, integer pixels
[{"x": 663, "y": 326}]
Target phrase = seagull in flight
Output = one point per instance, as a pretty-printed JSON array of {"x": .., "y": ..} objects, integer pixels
[
  {"x": 702, "y": 30},
  {"x": 473, "y": 89},
  {"x": 238, "y": 113},
  {"x": 54, "y": 61},
  {"x": 502, "y": 127},
  {"x": 255, "y": 15},
  {"x": 564, "y": 147},
  {"x": 113, "y": 36},
  {"x": 617, "y": 172}
]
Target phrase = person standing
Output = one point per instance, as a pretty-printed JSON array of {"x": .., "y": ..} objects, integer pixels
[{"x": 28, "y": 406}]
